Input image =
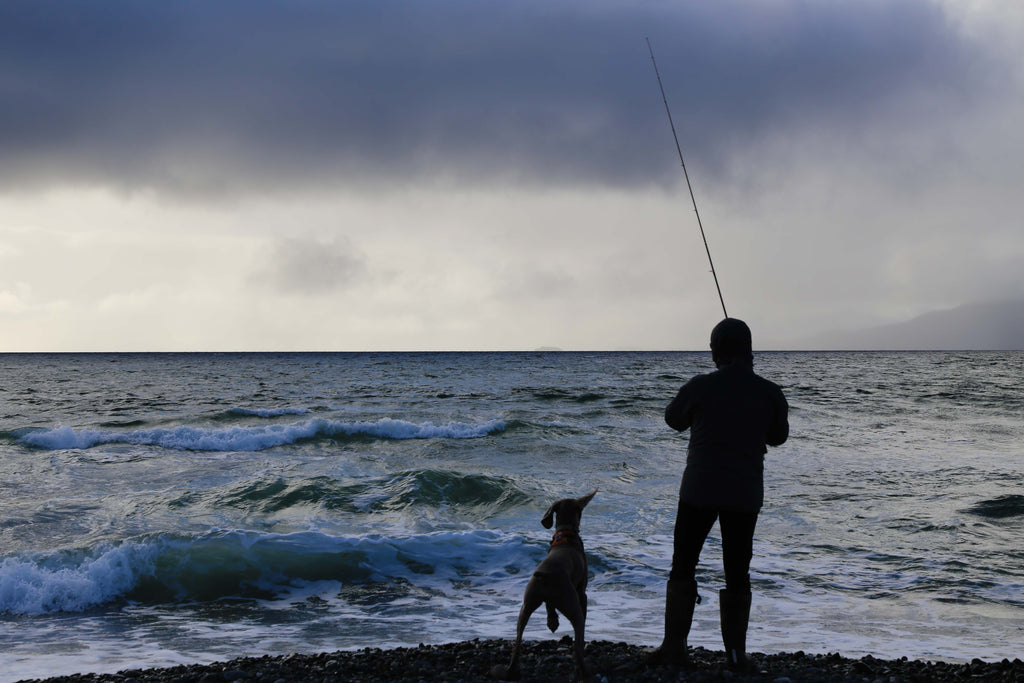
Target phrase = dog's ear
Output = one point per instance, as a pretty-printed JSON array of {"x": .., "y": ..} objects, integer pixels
[
  {"x": 549, "y": 517},
  {"x": 583, "y": 500}
]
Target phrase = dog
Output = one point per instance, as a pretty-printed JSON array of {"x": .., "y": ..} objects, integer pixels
[{"x": 559, "y": 582}]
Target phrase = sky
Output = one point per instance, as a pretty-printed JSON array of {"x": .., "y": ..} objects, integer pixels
[{"x": 400, "y": 175}]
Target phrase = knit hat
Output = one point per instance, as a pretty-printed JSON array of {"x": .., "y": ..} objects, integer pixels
[{"x": 730, "y": 340}]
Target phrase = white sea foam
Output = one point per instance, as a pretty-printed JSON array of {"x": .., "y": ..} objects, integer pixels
[
  {"x": 254, "y": 438},
  {"x": 269, "y": 412},
  {"x": 62, "y": 582}
]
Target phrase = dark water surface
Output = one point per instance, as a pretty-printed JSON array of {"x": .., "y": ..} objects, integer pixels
[{"x": 157, "y": 509}]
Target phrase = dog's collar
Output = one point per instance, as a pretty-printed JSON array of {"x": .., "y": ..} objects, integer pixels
[{"x": 563, "y": 536}]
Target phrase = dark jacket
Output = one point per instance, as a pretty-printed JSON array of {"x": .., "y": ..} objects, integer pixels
[{"x": 732, "y": 415}]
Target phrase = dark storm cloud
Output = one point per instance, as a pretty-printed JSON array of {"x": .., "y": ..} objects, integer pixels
[{"x": 228, "y": 96}]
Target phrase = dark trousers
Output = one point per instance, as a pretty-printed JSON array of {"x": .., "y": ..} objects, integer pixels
[{"x": 692, "y": 527}]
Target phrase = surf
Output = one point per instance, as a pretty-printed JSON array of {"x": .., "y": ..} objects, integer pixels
[
  {"x": 254, "y": 437},
  {"x": 231, "y": 565}
]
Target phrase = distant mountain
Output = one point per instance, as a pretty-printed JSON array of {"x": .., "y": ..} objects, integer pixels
[{"x": 997, "y": 326}]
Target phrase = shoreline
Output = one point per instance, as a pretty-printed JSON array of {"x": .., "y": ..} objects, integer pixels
[{"x": 547, "y": 660}]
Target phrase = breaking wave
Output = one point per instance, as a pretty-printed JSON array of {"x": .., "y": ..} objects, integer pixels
[
  {"x": 255, "y": 438},
  {"x": 477, "y": 494},
  {"x": 249, "y": 565}
]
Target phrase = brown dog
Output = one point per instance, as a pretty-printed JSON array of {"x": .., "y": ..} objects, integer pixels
[{"x": 559, "y": 582}]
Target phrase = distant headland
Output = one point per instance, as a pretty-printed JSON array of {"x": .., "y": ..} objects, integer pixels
[{"x": 989, "y": 326}]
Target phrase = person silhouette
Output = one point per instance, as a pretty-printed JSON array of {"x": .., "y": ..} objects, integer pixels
[{"x": 733, "y": 415}]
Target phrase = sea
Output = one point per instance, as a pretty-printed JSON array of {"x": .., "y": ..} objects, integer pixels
[{"x": 161, "y": 509}]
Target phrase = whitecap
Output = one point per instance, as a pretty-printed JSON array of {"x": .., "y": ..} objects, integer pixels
[{"x": 255, "y": 438}]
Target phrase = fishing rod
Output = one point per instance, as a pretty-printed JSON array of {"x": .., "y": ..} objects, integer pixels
[{"x": 687, "y": 176}]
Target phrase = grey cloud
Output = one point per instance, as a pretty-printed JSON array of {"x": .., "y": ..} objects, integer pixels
[
  {"x": 313, "y": 266},
  {"x": 238, "y": 96},
  {"x": 535, "y": 283}
]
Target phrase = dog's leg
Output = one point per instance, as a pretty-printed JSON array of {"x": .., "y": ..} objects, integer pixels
[
  {"x": 572, "y": 603},
  {"x": 531, "y": 601},
  {"x": 576, "y": 614}
]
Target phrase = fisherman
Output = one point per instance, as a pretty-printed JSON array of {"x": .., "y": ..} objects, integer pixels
[{"x": 732, "y": 414}]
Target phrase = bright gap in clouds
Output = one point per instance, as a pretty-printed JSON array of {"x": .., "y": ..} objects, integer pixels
[{"x": 410, "y": 271}]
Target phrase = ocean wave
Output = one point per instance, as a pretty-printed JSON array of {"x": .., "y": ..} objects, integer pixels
[
  {"x": 254, "y": 438},
  {"x": 476, "y": 494},
  {"x": 1003, "y": 507},
  {"x": 553, "y": 394},
  {"x": 65, "y": 582},
  {"x": 250, "y": 565},
  {"x": 265, "y": 412}
]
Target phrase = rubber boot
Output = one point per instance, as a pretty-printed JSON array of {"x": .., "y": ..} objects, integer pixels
[
  {"x": 734, "y": 609},
  {"x": 680, "y": 599}
]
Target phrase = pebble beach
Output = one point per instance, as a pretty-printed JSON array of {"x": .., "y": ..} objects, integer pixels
[{"x": 551, "y": 660}]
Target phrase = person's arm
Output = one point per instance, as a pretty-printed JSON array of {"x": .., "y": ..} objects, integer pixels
[
  {"x": 778, "y": 430},
  {"x": 679, "y": 413}
]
